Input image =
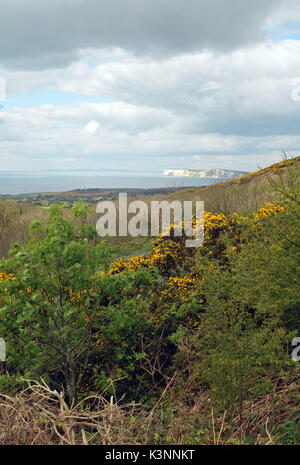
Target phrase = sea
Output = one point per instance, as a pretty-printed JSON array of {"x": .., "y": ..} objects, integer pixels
[{"x": 17, "y": 182}]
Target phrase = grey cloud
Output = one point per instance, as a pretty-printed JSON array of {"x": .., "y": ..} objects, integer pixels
[
  {"x": 43, "y": 34},
  {"x": 254, "y": 125}
]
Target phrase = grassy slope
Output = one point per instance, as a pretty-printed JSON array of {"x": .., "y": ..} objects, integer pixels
[{"x": 244, "y": 194}]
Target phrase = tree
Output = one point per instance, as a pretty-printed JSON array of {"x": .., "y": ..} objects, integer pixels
[{"x": 50, "y": 298}]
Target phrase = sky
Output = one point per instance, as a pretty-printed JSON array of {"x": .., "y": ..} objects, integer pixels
[{"x": 148, "y": 85}]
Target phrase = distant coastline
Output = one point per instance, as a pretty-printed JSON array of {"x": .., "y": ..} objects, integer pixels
[{"x": 39, "y": 182}]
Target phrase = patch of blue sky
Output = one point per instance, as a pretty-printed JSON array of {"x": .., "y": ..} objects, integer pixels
[
  {"x": 47, "y": 97},
  {"x": 290, "y": 30},
  {"x": 93, "y": 64}
]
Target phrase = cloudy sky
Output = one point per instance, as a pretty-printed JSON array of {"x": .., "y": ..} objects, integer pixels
[{"x": 148, "y": 85}]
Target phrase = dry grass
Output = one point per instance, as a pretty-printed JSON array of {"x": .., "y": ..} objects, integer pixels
[
  {"x": 40, "y": 416},
  {"x": 15, "y": 219}
]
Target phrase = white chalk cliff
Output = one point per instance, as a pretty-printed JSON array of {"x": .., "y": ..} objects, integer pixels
[{"x": 214, "y": 174}]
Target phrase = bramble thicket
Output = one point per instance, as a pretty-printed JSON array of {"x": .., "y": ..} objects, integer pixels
[{"x": 181, "y": 322}]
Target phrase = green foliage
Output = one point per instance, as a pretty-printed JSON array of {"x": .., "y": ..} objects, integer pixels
[
  {"x": 46, "y": 304},
  {"x": 126, "y": 336},
  {"x": 236, "y": 352}
]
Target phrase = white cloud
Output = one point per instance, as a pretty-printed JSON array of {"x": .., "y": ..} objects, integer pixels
[
  {"x": 92, "y": 127},
  {"x": 248, "y": 91}
]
